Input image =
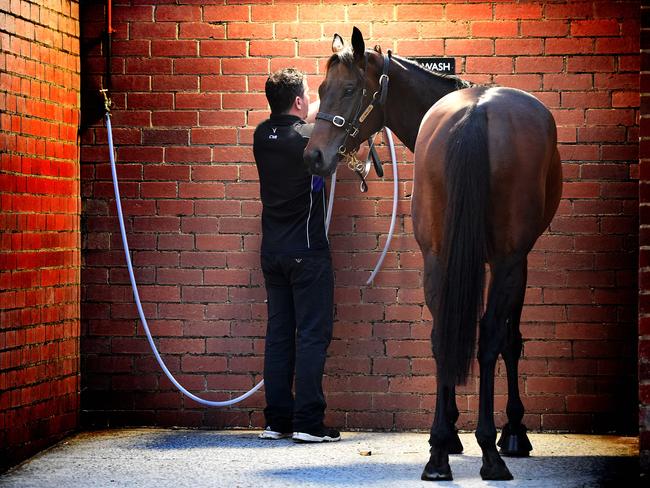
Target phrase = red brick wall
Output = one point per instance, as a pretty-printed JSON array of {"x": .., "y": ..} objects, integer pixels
[
  {"x": 644, "y": 245},
  {"x": 39, "y": 222},
  {"x": 188, "y": 93}
]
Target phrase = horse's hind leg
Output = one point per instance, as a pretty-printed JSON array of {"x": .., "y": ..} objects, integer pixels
[
  {"x": 513, "y": 441},
  {"x": 507, "y": 278},
  {"x": 444, "y": 439},
  {"x": 455, "y": 446},
  {"x": 438, "y": 469}
]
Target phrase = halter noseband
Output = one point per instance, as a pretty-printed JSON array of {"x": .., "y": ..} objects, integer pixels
[{"x": 378, "y": 99}]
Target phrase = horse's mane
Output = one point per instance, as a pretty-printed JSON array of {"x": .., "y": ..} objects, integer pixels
[{"x": 346, "y": 57}]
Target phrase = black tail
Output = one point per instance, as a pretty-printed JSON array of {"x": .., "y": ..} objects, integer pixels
[{"x": 464, "y": 247}]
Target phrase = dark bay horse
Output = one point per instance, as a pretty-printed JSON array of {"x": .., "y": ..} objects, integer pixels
[{"x": 487, "y": 183}]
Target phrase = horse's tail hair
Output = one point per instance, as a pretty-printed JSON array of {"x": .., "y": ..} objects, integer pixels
[{"x": 463, "y": 251}]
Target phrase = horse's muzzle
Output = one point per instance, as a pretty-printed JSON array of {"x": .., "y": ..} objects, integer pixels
[{"x": 314, "y": 159}]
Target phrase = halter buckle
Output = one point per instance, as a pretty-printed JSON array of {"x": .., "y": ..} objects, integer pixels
[{"x": 338, "y": 121}]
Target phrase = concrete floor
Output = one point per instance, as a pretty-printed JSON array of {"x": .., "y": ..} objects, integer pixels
[{"x": 199, "y": 458}]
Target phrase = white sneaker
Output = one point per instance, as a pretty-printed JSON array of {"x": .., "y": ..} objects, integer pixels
[
  {"x": 269, "y": 433},
  {"x": 326, "y": 434}
]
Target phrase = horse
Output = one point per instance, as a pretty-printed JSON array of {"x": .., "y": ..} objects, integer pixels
[{"x": 487, "y": 183}]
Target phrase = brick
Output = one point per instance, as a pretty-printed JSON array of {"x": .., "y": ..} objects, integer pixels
[
  {"x": 223, "y": 48},
  {"x": 201, "y": 190},
  {"x": 489, "y": 65},
  {"x": 177, "y": 13},
  {"x": 494, "y": 29},
  {"x": 189, "y": 66},
  {"x": 573, "y": 10},
  {"x": 148, "y": 66},
  {"x": 213, "y": 136},
  {"x": 418, "y": 12},
  {"x": 593, "y": 28},
  {"x": 230, "y": 13},
  {"x": 319, "y": 13},
  {"x": 246, "y": 65},
  {"x": 468, "y": 47},
  {"x": 616, "y": 45},
  {"x": 174, "y": 48},
  {"x": 590, "y": 64},
  {"x": 468, "y": 12},
  {"x": 250, "y": 31},
  {"x": 570, "y": 46},
  {"x": 187, "y": 154},
  {"x": 198, "y": 100},
  {"x": 625, "y": 99},
  {"x": 420, "y": 48},
  {"x": 152, "y": 30},
  {"x": 223, "y": 83},
  {"x": 275, "y": 48},
  {"x": 574, "y": 82},
  {"x": 201, "y": 30},
  {"x": 520, "y": 11},
  {"x": 586, "y": 100},
  {"x": 428, "y": 29},
  {"x": 360, "y": 12},
  {"x": 276, "y": 13},
  {"x": 544, "y": 28},
  {"x": 539, "y": 64},
  {"x": 518, "y": 46},
  {"x": 174, "y": 118}
]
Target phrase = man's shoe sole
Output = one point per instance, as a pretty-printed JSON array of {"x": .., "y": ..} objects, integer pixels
[
  {"x": 274, "y": 436},
  {"x": 305, "y": 437}
]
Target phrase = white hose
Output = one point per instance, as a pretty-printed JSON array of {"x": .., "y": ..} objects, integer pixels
[
  {"x": 134, "y": 286},
  {"x": 330, "y": 204},
  {"x": 136, "y": 296},
  {"x": 391, "y": 145}
]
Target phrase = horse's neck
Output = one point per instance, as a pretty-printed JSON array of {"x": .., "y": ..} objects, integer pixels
[{"x": 412, "y": 92}]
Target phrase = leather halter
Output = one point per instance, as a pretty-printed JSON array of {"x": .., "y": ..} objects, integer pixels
[{"x": 378, "y": 99}]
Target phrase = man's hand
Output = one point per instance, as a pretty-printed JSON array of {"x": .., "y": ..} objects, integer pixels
[{"x": 313, "y": 110}]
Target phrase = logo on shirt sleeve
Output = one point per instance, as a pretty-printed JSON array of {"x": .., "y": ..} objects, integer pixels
[{"x": 274, "y": 135}]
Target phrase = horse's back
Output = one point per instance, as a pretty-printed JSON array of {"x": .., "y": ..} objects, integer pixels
[{"x": 525, "y": 172}]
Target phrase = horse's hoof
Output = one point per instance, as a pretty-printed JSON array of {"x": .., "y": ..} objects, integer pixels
[
  {"x": 496, "y": 472},
  {"x": 514, "y": 442},
  {"x": 455, "y": 446},
  {"x": 436, "y": 473}
]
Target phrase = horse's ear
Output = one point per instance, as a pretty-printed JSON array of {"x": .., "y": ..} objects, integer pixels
[
  {"x": 337, "y": 43},
  {"x": 378, "y": 48},
  {"x": 358, "y": 45}
]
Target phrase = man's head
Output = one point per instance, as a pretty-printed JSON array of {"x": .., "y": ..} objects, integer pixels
[{"x": 288, "y": 93}]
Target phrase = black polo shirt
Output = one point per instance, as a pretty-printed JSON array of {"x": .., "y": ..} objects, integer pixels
[{"x": 293, "y": 201}]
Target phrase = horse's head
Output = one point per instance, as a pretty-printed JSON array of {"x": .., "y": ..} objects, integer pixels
[{"x": 350, "y": 104}]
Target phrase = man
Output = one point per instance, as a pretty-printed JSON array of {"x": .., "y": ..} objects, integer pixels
[{"x": 297, "y": 267}]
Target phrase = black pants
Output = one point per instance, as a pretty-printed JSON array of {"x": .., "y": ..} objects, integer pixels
[{"x": 300, "y": 293}]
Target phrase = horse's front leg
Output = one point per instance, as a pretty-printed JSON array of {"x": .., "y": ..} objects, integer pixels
[{"x": 514, "y": 441}]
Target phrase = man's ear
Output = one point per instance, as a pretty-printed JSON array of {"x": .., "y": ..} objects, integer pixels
[
  {"x": 358, "y": 45},
  {"x": 337, "y": 43}
]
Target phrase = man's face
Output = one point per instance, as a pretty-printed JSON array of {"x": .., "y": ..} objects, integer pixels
[{"x": 304, "y": 109}]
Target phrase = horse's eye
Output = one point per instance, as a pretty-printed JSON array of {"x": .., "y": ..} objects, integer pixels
[{"x": 348, "y": 91}]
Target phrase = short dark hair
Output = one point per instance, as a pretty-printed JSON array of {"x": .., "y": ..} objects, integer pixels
[{"x": 282, "y": 88}]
